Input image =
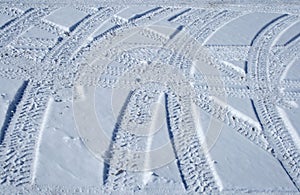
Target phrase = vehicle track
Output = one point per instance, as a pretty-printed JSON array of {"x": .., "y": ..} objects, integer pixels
[
  {"x": 282, "y": 59},
  {"x": 196, "y": 188},
  {"x": 69, "y": 41},
  {"x": 281, "y": 62},
  {"x": 14, "y": 13},
  {"x": 68, "y": 55},
  {"x": 210, "y": 22},
  {"x": 126, "y": 153},
  {"x": 18, "y": 18},
  {"x": 19, "y": 141},
  {"x": 114, "y": 175},
  {"x": 215, "y": 23},
  {"x": 118, "y": 160},
  {"x": 29, "y": 18},
  {"x": 274, "y": 128},
  {"x": 222, "y": 112},
  {"x": 253, "y": 133},
  {"x": 289, "y": 83},
  {"x": 12, "y": 109},
  {"x": 191, "y": 159}
]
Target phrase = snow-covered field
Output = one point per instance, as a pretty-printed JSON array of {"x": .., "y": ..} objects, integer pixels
[{"x": 125, "y": 97}]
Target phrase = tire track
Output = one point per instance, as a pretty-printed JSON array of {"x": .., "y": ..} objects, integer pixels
[
  {"x": 206, "y": 180},
  {"x": 19, "y": 143},
  {"x": 289, "y": 83},
  {"x": 218, "y": 21},
  {"x": 281, "y": 62},
  {"x": 230, "y": 117},
  {"x": 12, "y": 109},
  {"x": 253, "y": 133},
  {"x": 291, "y": 95},
  {"x": 282, "y": 59},
  {"x": 112, "y": 183},
  {"x": 70, "y": 51},
  {"x": 245, "y": 128},
  {"x": 11, "y": 11},
  {"x": 16, "y": 20},
  {"x": 209, "y": 23},
  {"x": 75, "y": 36},
  {"x": 29, "y": 18},
  {"x": 274, "y": 128},
  {"x": 222, "y": 112},
  {"x": 124, "y": 154},
  {"x": 115, "y": 174},
  {"x": 191, "y": 159},
  {"x": 145, "y": 19}
]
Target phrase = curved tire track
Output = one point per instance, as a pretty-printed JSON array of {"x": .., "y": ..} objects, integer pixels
[{"x": 273, "y": 127}]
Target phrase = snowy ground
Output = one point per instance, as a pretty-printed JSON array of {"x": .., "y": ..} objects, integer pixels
[{"x": 159, "y": 98}]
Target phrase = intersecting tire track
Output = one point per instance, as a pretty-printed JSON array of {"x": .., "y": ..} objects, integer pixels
[
  {"x": 17, "y": 153},
  {"x": 246, "y": 130},
  {"x": 18, "y": 148},
  {"x": 251, "y": 132},
  {"x": 274, "y": 128},
  {"x": 114, "y": 177},
  {"x": 217, "y": 110},
  {"x": 75, "y": 38},
  {"x": 29, "y": 18}
]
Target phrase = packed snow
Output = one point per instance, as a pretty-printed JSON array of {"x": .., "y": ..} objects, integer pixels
[{"x": 125, "y": 97}]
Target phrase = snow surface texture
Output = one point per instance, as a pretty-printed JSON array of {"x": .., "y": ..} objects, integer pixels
[{"x": 158, "y": 98}]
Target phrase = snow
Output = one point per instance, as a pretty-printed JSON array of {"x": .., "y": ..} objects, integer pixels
[
  {"x": 4, "y": 19},
  {"x": 147, "y": 98},
  {"x": 242, "y": 30},
  {"x": 238, "y": 163},
  {"x": 61, "y": 152},
  {"x": 105, "y": 26},
  {"x": 294, "y": 70},
  {"x": 165, "y": 29},
  {"x": 35, "y": 32},
  {"x": 132, "y": 11},
  {"x": 66, "y": 18},
  {"x": 289, "y": 34},
  {"x": 8, "y": 91},
  {"x": 245, "y": 107}
]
